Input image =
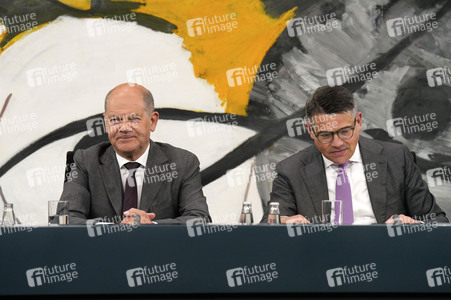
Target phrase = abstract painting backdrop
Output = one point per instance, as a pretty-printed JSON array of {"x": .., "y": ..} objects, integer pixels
[{"x": 230, "y": 80}]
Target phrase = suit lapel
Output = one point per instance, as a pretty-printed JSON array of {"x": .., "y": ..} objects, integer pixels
[
  {"x": 152, "y": 182},
  {"x": 315, "y": 181},
  {"x": 373, "y": 162},
  {"x": 111, "y": 177}
]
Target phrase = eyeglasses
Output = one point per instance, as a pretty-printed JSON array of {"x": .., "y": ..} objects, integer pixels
[{"x": 344, "y": 134}]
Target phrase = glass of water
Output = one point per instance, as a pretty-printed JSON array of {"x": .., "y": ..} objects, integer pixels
[
  {"x": 8, "y": 218},
  {"x": 332, "y": 212},
  {"x": 58, "y": 212}
]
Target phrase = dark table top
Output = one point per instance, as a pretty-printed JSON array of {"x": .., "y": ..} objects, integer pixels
[{"x": 226, "y": 260}]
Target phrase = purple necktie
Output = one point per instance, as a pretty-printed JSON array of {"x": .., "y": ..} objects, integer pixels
[
  {"x": 131, "y": 191},
  {"x": 343, "y": 193}
]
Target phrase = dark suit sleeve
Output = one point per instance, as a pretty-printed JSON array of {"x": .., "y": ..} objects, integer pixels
[
  {"x": 76, "y": 191},
  {"x": 282, "y": 192},
  {"x": 420, "y": 203},
  {"x": 191, "y": 200}
]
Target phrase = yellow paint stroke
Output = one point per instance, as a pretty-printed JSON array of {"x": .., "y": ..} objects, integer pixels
[
  {"x": 78, "y": 4},
  {"x": 21, "y": 35},
  {"x": 215, "y": 53}
]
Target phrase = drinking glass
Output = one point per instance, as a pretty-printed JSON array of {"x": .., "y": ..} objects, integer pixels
[{"x": 331, "y": 212}]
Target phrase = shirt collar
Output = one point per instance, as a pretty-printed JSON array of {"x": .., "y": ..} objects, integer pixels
[
  {"x": 142, "y": 159},
  {"x": 356, "y": 157}
]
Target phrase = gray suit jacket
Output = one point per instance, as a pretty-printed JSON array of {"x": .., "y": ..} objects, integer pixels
[
  {"x": 95, "y": 188},
  {"x": 398, "y": 188}
]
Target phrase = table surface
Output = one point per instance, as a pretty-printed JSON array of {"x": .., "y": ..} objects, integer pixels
[{"x": 225, "y": 259}]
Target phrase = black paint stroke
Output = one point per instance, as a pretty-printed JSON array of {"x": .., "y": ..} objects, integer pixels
[
  {"x": 45, "y": 12},
  {"x": 267, "y": 137},
  {"x": 79, "y": 126}
]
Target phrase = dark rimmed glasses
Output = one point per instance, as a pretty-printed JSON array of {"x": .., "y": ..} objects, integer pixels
[{"x": 326, "y": 137}]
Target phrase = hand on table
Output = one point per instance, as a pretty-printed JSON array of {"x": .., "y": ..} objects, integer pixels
[
  {"x": 294, "y": 219},
  {"x": 403, "y": 218},
  {"x": 129, "y": 217}
]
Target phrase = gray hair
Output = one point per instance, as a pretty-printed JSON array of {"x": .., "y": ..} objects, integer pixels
[{"x": 147, "y": 98}]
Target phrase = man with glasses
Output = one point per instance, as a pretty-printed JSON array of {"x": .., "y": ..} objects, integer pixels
[{"x": 377, "y": 182}]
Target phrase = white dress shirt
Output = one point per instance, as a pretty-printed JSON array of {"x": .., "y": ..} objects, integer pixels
[
  {"x": 361, "y": 205},
  {"x": 139, "y": 175}
]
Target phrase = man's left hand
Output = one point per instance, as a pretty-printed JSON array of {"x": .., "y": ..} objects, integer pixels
[{"x": 146, "y": 218}]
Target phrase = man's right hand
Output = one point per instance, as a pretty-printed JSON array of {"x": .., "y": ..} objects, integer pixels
[
  {"x": 294, "y": 219},
  {"x": 403, "y": 218}
]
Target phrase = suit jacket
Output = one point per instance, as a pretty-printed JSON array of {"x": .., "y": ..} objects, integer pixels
[
  {"x": 397, "y": 188},
  {"x": 95, "y": 188}
]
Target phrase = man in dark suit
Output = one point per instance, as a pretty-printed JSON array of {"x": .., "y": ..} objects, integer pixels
[
  {"x": 132, "y": 175},
  {"x": 376, "y": 181}
]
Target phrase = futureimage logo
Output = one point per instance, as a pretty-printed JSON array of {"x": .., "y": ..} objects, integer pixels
[
  {"x": 438, "y": 276},
  {"x": 211, "y": 25},
  {"x": 412, "y": 124},
  {"x": 49, "y": 275},
  {"x": 438, "y": 76},
  {"x": 299, "y": 229},
  {"x": 101, "y": 26},
  {"x": 18, "y": 23},
  {"x": 165, "y": 273},
  {"x": 211, "y": 124},
  {"x": 314, "y": 24},
  {"x": 407, "y": 25},
  {"x": 95, "y": 230},
  {"x": 351, "y": 74},
  {"x": 251, "y": 275},
  {"x": 199, "y": 227},
  {"x": 247, "y": 75},
  {"x": 403, "y": 229},
  {"x": 153, "y": 74},
  {"x": 261, "y": 173},
  {"x": 350, "y": 275},
  {"x": 438, "y": 176},
  {"x": 17, "y": 124},
  {"x": 49, "y": 75},
  {"x": 49, "y": 175},
  {"x": 96, "y": 127}
]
